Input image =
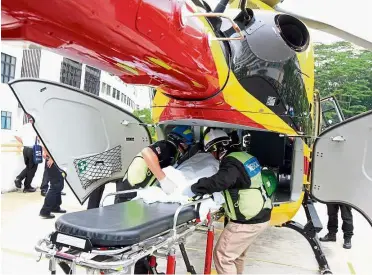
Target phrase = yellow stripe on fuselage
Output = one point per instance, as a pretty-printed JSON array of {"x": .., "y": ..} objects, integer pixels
[
  {"x": 160, "y": 101},
  {"x": 239, "y": 98}
]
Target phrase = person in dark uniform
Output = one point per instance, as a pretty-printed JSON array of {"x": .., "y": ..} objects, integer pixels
[
  {"x": 332, "y": 226},
  {"x": 45, "y": 181},
  {"x": 53, "y": 199}
]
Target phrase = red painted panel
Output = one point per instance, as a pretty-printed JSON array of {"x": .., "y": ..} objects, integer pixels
[
  {"x": 103, "y": 33},
  {"x": 214, "y": 110}
]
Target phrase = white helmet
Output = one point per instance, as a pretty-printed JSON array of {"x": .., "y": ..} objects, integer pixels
[{"x": 216, "y": 139}]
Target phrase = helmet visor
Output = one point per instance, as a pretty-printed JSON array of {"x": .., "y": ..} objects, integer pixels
[{"x": 214, "y": 145}]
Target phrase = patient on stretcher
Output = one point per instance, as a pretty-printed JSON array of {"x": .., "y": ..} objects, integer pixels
[{"x": 198, "y": 166}]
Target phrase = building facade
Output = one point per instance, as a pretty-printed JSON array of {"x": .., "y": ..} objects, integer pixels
[{"x": 23, "y": 60}]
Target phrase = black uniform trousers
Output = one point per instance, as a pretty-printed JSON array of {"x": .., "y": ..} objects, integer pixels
[
  {"x": 53, "y": 198},
  {"x": 29, "y": 172},
  {"x": 96, "y": 196},
  {"x": 347, "y": 218},
  {"x": 44, "y": 183}
]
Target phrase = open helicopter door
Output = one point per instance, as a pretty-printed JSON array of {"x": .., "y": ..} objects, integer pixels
[
  {"x": 91, "y": 140},
  {"x": 342, "y": 164}
]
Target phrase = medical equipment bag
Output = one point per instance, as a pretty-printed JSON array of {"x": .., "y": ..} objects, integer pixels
[
  {"x": 269, "y": 180},
  {"x": 37, "y": 153}
]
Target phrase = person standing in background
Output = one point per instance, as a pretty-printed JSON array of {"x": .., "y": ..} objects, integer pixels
[
  {"x": 53, "y": 199},
  {"x": 27, "y": 137},
  {"x": 45, "y": 181},
  {"x": 347, "y": 224}
]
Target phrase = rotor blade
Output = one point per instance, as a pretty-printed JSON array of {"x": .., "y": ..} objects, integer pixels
[{"x": 321, "y": 26}]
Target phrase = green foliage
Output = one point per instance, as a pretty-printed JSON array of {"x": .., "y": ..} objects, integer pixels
[
  {"x": 145, "y": 116},
  {"x": 345, "y": 72}
]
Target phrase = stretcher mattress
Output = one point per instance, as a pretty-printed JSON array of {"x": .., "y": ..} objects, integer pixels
[{"x": 123, "y": 224}]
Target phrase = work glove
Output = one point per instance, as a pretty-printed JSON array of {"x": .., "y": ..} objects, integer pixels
[
  {"x": 167, "y": 185},
  {"x": 198, "y": 190}
]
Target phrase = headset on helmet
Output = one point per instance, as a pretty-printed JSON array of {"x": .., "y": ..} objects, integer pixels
[
  {"x": 182, "y": 134},
  {"x": 216, "y": 140}
]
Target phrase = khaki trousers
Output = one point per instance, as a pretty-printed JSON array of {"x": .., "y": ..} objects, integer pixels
[{"x": 232, "y": 246}]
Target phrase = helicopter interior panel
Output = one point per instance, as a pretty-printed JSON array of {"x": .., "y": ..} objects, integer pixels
[{"x": 274, "y": 151}]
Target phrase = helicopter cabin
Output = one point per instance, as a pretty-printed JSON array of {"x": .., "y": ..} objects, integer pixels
[{"x": 283, "y": 156}]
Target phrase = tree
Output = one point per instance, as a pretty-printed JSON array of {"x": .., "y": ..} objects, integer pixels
[
  {"x": 145, "y": 116},
  {"x": 345, "y": 72}
]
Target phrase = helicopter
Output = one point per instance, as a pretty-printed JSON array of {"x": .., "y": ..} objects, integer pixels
[{"x": 243, "y": 65}]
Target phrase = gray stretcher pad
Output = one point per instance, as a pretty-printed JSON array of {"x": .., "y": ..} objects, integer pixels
[{"x": 123, "y": 224}]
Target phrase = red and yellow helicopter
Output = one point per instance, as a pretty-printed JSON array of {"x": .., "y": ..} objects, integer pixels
[{"x": 245, "y": 65}]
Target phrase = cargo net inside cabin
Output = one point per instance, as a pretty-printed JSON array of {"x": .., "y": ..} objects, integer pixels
[{"x": 99, "y": 166}]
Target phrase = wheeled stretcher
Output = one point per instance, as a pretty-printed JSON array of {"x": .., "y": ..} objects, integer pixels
[{"x": 111, "y": 239}]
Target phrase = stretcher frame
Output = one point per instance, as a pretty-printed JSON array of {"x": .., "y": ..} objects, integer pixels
[{"x": 122, "y": 260}]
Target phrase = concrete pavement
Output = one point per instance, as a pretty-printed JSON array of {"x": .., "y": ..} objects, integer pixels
[{"x": 277, "y": 251}]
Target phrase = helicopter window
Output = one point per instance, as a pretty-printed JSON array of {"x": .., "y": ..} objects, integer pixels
[{"x": 331, "y": 114}]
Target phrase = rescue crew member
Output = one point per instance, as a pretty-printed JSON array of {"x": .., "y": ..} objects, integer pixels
[
  {"x": 332, "y": 226},
  {"x": 247, "y": 205},
  {"x": 147, "y": 166},
  {"x": 53, "y": 199}
]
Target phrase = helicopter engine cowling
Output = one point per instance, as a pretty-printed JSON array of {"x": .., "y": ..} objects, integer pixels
[
  {"x": 275, "y": 37},
  {"x": 266, "y": 63}
]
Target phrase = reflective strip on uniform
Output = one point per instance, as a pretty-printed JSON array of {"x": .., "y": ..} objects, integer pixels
[{"x": 229, "y": 206}]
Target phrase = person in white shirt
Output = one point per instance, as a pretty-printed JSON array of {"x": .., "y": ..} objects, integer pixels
[{"x": 27, "y": 136}]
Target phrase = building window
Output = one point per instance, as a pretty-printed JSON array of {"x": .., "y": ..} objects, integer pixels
[
  {"x": 116, "y": 93},
  {"x": 6, "y": 120},
  {"x": 106, "y": 89},
  {"x": 103, "y": 88},
  {"x": 71, "y": 72},
  {"x": 31, "y": 63},
  {"x": 92, "y": 79},
  {"x": 8, "y": 64}
]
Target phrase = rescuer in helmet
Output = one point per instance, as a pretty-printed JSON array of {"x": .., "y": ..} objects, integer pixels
[
  {"x": 159, "y": 155},
  {"x": 147, "y": 166},
  {"x": 247, "y": 204}
]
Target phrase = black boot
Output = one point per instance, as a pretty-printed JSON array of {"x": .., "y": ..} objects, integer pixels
[
  {"x": 330, "y": 237},
  {"x": 29, "y": 190},
  {"x": 347, "y": 243},
  {"x": 47, "y": 215},
  {"x": 18, "y": 183}
]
